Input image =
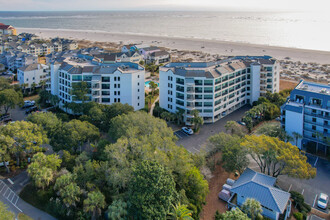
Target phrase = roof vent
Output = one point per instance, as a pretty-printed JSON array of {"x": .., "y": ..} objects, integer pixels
[{"x": 304, "y": 87}]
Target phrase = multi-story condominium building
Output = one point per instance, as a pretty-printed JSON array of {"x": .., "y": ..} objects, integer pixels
[
  {"x": 216, "y": 89},
  {"x": 159, "y": 57},
  {"x": 111, "y": 83},
  {"x": 33, "y": 74},
  {"x": 16, "y": 60},
  {"x": 127, "y": 57},
  {"x": 307, "y": 113}
]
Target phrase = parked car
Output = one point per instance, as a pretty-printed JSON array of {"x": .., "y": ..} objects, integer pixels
[
  {"x": 278, "y": 119},
  {"x": 322, "y": 201},
  {"x": 187, "y": 130},
  {"x": 32, "y": 109},
  {"x": 28, "y": 104},
  {"x": 241, "y": 123}
]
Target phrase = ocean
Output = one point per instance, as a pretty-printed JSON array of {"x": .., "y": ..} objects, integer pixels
[{"x": 288, "y": 29}]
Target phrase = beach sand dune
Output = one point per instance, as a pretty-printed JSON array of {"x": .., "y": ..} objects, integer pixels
[{"x": 206, "y": 46}]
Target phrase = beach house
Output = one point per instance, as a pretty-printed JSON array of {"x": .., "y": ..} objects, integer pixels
[
  {"x": 158, "y": 57},
  {"x": 7, "y": 29},
  {"x": 216, "y": 89},
  {"x": 275, "y": 202}
]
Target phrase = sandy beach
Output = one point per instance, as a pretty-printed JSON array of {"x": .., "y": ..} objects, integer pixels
[{"x": 206, "y": 46}]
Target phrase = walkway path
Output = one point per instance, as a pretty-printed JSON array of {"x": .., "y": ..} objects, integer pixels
[{"x": 153, "y": 106}]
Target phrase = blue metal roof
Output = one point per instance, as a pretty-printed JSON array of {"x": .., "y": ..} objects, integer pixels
[{"x": 252, "y": 184}]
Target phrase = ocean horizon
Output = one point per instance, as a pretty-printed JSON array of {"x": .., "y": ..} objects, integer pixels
[{"x": 285, "y": 29}]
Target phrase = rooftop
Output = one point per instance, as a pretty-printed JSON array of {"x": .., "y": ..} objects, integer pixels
[
  {"x": 313, "y": 87},
  {"x": 252, "y": 184}
]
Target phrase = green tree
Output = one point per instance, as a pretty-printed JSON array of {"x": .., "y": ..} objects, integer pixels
[
  {"x": 68, "y": 189},
  {"x": 275, "y": 157},
  {"x": 197, "y": 120},
  {"x": 4, "y": 83},
  {"x": 74, "y": 134},
  {"x": 234, "y": 157},
  {"x": 79, "y": 91},
  {"x": 28, "y": 137},
  {"x": 234, "y": 214},
  {"x": 153, "y": 86},
  {"x": 179, "y": 115},
  {"x": 196, "y": 188},
  {"x": 180, "y": 212},
  {"x": 94, "y": 203},
  {"x": 118, "y": 210},
  {"x": 234, "y": 128},
  {"x": 252, "y": 208},
  {"x": 43, "y": 168},
  {"x": 4, "y": 213},
  {"x": 273, "y": 130},
  {"x": 6, "y": 149},
  {"x": 296, "y": 137},
  {"x": 9, "y": 98},
  {"x": 47, "y": 120},
  {"x": 151, "y": 191}
]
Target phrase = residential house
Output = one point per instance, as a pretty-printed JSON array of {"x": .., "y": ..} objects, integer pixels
[
  {"x": 147, "y": 51},
  {"x": 7, "y": 29},
  {"x": 159, "y": 57},
  {"x": 275, "y": 202}
]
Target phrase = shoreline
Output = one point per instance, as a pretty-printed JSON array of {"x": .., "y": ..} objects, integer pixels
[{"x": 189, "y": 44}]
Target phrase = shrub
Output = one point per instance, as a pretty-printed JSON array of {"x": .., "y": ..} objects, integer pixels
[{"x": 298, "y": 216}]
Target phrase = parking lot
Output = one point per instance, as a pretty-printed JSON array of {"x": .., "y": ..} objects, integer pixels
[
  {"x": 194, "y": 143},
  {"x": 313, "y": 187}
]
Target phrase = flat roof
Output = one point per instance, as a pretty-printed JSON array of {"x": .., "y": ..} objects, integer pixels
[{"x": 313, "y": 87}]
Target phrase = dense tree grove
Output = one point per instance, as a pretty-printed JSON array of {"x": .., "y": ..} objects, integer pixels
[{"x": 135, "y": 168}]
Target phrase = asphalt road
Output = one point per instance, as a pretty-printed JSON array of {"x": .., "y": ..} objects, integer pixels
[
  {"x": 195, "y": 142},
  {"x": 313, "y": 187},
  {"x": 309, "y": 188}
]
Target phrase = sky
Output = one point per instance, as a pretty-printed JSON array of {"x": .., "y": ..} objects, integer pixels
[{"x": 198, "y": 5}]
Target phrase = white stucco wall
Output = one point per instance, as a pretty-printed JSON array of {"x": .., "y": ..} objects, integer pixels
[{"x": 294, "y": 122}]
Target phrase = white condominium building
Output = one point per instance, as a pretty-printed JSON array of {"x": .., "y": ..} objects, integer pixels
[
  {"x": 216, "y": 89},
  {"x": 111, "y": 83},
  {"x": 33, "y": 74}
]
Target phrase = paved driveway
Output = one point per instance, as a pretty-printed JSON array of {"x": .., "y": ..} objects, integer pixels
[
  {"x": 312, "y": 187},
  {"x": 9, "y": 190},
  {"x": 195, "y": 142}
]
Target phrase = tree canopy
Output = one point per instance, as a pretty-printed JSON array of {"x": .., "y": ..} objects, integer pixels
[
  {"x": 151, "y": 191},
  {"x": 275, "y": 157},
  {"x": 9, "y": 98}
]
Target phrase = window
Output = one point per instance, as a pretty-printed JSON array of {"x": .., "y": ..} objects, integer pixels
[
  {"x": 138, "y": 76},
  {"x": 105, "y": 100},
  {"x": 115, "y": 92},
  {"x": 105, "y": 79},
  {"x": 115, "y": 85},
  {"x": 118, "y": 85},
  {"x": 118, "y": 99},
  {"x": 314, "y": 119},
  {"x": 118, "y": 78},
  {"x": 138, "y": 97},
  {"x": 115, "y": 100},
  {"x": 115, "y": 78},
  {"x": 314, "y": 127},
  {"x": 105, "y": 86},
  {"x": 138, "y": 84},
  {"x": 138, "y": 90}
]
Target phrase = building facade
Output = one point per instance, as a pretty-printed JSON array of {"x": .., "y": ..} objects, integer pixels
[
  {"x": 111, "y": 83},
  {"x": 216, "y": 89},
  {"x": 7, "y": 29},
  {"x": 306, "y": 117},
  {"x": 33, "y": 74}
]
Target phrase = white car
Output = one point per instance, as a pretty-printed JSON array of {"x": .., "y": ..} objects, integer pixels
[
  {"x": 322, "y": 201},
  {"x": 187, "y": 130}
]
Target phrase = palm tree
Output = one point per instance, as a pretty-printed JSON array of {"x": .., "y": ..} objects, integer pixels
[
  {"x": 42, "y": 83},
  {"x": 180, "y": 212},
  {"x": 319, "y": 137},
  {"x": 252, "y": 208},
  {"x": 179, "y": 115},
  {"x": 149, "y": 98},
  {"x": 153, "y": 86},
  {"x": 94, "y": 203},
  {"x": 33, "y": 87},
  {"x": 296, "y": 136},
  {"x": 197, "y": 121},
  {"x": 43, "y": 177}
]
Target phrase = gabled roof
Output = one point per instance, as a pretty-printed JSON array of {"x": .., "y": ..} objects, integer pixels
[{"x": 252, "y": 184}]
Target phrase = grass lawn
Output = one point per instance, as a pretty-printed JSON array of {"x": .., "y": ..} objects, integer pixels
[
  {"x": 34, "y": 97},
  {"x": 267, "y": 125},
  {"x": 22, "y": 216}
]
